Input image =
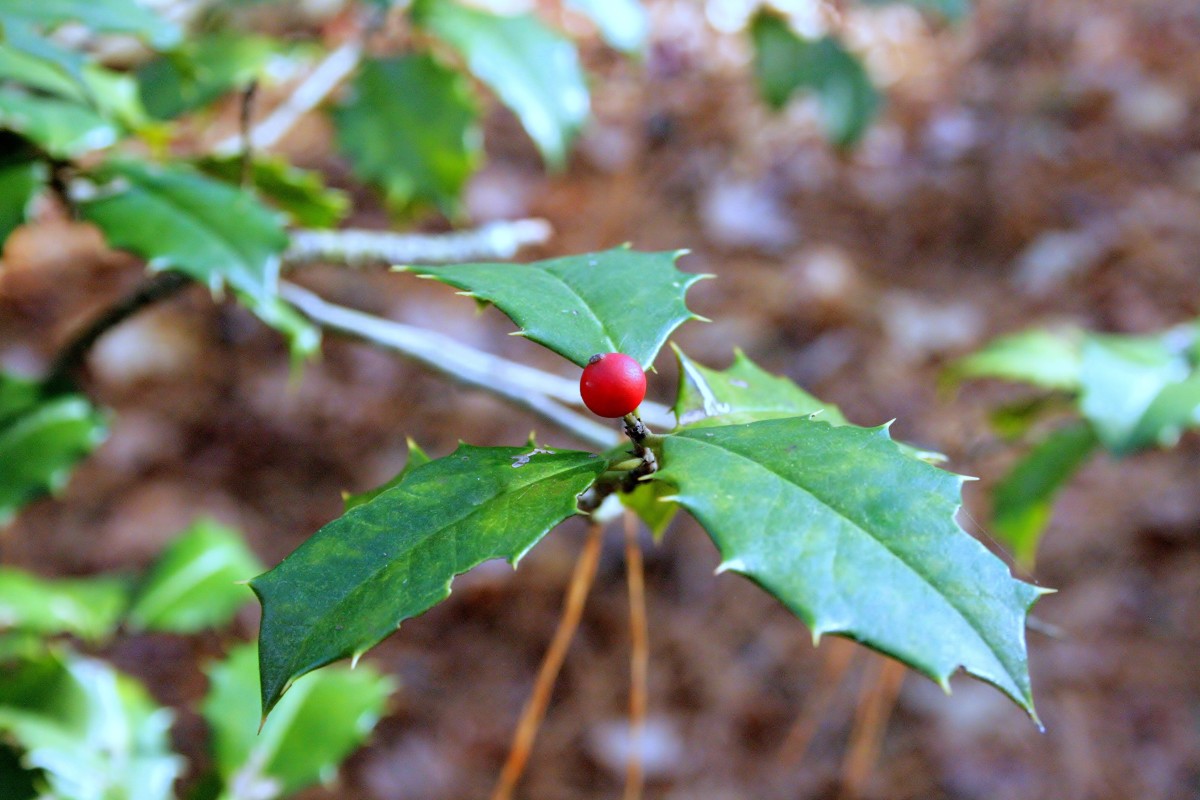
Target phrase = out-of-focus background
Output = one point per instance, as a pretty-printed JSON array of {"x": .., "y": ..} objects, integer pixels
[{"x": 1037, "y": 163}]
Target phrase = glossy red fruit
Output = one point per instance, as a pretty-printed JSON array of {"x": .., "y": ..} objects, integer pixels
[{"x": 612, "y": 384}]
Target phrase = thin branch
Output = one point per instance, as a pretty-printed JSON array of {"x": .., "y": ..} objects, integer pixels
[
  {"x": 639, "y": 658},
  {"x": 535, "y": 707},
  {"x": 309, "y": 94},
  {"x": 158, "y": 287},
  {"x": 881, "y": 686},
  {"x": 522, "y": 386},
  {"x": 361, "y": 248}
]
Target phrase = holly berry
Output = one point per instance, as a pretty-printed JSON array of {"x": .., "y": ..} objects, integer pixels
[{"x": 612, "y": 384}]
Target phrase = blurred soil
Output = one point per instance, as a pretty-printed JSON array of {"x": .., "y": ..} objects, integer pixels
[{"x": 1039, "y": 165}]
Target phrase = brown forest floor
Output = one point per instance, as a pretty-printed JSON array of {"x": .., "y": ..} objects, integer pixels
[{"x": 1040, "y": 165}]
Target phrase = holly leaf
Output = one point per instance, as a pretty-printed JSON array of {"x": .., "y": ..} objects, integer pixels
[
  {"x": 952, "y": 10},
  {"x": 197, "y": 582},
  {"x": 785, "y": 63},
  {"x": 416, "y": 457},
  {"x": 93, "y": 732},
  {"x": 617, "y": 301},
  {"x": 881, "y": 561},
  {"x": 64, "y": 129},
  {"x": 300, "y": 193},
  {"x": 355, "y": 580},
  {"x": 20, "y": 183},
  {"x": 1043, "y": 358},
  {"x": 323, "y": 718},
  {"x": 1139, "y": 390},
  {"x": 410, "y": 126},
  {"x": 202, "y": 70},
  {"x": 101, "y": 16},
  {"x": 178, "y": 219},
  {"x": 532, "y": 69},
  {"x": 622, "y": 23},
  {"x": 1023, "y": 500},
  {"x": 651, "y": 502},
  {"x": 85, "y": 607},
  {"x": 743, "y": 393},
  {"x": 40, "y": 442}
]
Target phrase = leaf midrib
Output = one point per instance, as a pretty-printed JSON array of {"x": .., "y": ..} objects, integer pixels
[{"x": 971, "y": 622}]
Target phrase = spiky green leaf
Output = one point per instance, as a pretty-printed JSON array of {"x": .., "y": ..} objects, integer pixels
[
  {"x": 63, "y": 128},
  {"x": 101, "y": 16},
  {"x": 410, "y": 127},
  {"x": 300, "y": 193},
  {"x": 531, "y": 68},
  {"x": 616, "y": 301},
  {"x": 323, "y": 718},
  {"x": 355, "y": 580},
  {"x": 1050, "y": 359},
  {"x": 416, "y": 457},
  {"x": 20, "y": 182},
  {"x": 880, "y": 560},
  {"x": 85, "y": 607}
]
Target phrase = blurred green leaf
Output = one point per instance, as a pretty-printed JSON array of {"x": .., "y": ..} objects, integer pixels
[
  {"x": 570, "y": 305},
  {"x": 201, "y": 70},
  {"x": 650, "y": 501},
  {"x": 101, "y": 16},
  {"x": 40, "y": 444},
  {"x": 1040, "y": 357},
  {"x": 622, "y": 23},
  {"x": 85, "y": 607},
  {"x": 409, "y": 126},
  {"x": 176, "y": 218},
  {"x": 62, "y": 128},
  {"x": 198, "y": 581},
  {"x": 1022, "y": 502},
  {"x": 785, "y": 63},
  {"x": 94, "y": 732},
  {"x": 20, "y": 183},
  {"x": 531, "y": 68},
  {"x": 16, "y": 782},
  {"x": 355, "y": 580},
  {"x": 952, "y": 10},
  {"x": 879, "y": 559},
  {"x": 300, "y": 193},
  {"x": 321, "y": 720},
  {"x": 416, "y": 457}
]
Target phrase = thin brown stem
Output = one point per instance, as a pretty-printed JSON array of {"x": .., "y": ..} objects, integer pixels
[
  {"x": 535, "y": 707},
  {"x": 836, "y": 655},
  {"x": 639, "y": 659},
  {"x": 881, "y": 686}
]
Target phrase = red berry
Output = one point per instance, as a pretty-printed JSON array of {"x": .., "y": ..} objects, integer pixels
[{"x": 612, "y": 384}]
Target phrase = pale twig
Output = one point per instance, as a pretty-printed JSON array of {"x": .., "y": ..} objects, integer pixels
[
  {"x": 639, "y": 658},
  {"x": 361, "y": 248},
  {"x": 309, "y": 94},
  {"x": 528, "y": 388},
  {"x": 535, "y": 708}
]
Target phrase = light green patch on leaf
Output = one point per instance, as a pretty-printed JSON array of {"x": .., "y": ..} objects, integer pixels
[
  {"x": 650, "y": 502},
  {"x": 62, "y": 128},
  {"x": 952, "y": 10},
  {"x": 94, "y": 733},
  {"x": 355, "y": 580},
  {"x": 202, "y": 70},
  {"x": 622, "y": 23},
  {"x": 85, "y": 607},
  {"x": 179, "y": 219},
  {"x": 197, "y": 582},
  {"x": 1023, "y": 501},
  {"x": 879, "y": 560},
  {"x": 100, "y": 16},
  {"x": 616, "y": 301},
  {"x": 531, "y": 68},
  {"x": 324, "y": 717},
  {"x": 785, "y": 63},
  {"x": 300, "y": 193},
  {"x": 1040, "y": 357},
  {"x": 41, "y": 443},
  {"x": 416, "y": 457},
  {"x": 20, "y": 183},
  {"x": 410, "y": 126}
]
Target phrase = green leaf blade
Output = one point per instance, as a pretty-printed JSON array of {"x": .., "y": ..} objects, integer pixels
[
  {"x": 879, "y": 561},
  {"x": 85, "y": 607},
  {"x": 410, "y": 127},
  {"x": 616, "y": 301},
  {"x": 355, "y": 580},
  {"x": 64, "y": 129},
  {"x": 1043, "y": 358},
  {"x": 531, "y": 68},
  {"x": 315, "y": 726},
  {"x": 194, "y": 584},
  {"x": 19, "y": 184},
  {"x": 622, "y": 23},
  {"x": 101, "y": 16}
]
